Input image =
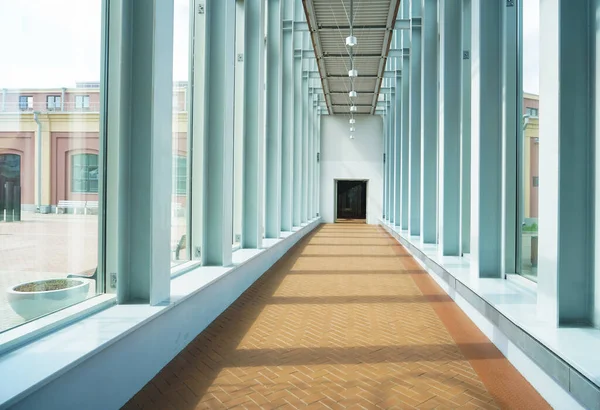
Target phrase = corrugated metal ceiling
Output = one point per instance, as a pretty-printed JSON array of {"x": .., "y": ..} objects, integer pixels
[{"x": 329, "y": 24}]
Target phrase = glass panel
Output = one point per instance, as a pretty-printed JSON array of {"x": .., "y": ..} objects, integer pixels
[
  {"x": 529, "y": 146},
  {"x": 84, "y": 173},
  {"x": 238, "y": 136},
  {"x": 48, "y": 168},
  {"x": 181, "y": 194}
]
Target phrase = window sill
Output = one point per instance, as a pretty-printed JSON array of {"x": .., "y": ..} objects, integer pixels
[
  {"x": 44, "y": 360},
  {"x": 516, "y": 300},
  {"x": 21, "y": 335}
]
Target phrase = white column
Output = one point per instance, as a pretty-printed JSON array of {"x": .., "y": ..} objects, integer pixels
[
  {"x": 273, "y": 119},
  {"x": 218, "y": 132},
  {"x": 287, "y": 120},
  {"x": 253, "y": 187},
  {"x": 138, "y": 203},
  {"x": 566, "y": 184},
  {"x": 450, "y": 117},
  {"x": 414, "y": 173},
  {"x": 486, "y": 138},
  {"x": 429, "y": 122}
]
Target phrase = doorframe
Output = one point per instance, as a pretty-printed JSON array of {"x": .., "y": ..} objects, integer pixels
[{"x": 335, "y": 195}]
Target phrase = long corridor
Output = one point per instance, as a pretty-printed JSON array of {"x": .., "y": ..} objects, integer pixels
[{"x": 347, "y": 319}]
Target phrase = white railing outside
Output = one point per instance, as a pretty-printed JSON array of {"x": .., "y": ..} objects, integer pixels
[{"x": 44, "y": 107}]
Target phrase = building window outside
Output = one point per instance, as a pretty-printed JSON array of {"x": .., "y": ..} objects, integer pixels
[
  {"x": 84, "y": 173},
  {"x": 53, "y": 102},
  {"x": 533, "y": 112},
  {"x": 82, "y": 101},
  {"x": 179, "y": 175},
  {"x": 25, "y": 102}
]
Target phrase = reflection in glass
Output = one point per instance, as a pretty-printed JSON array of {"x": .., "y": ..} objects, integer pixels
[
  {"x": 238, "y": 136},
  {"x": 530, "y": 139},
  {"x": 180, "y": 194},
  {"x": 49, "y": 150}
]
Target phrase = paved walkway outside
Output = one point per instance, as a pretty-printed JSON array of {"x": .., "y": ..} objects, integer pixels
[
  {"x": 346, "y": 320},
  {"x": 49, "y": 246}
]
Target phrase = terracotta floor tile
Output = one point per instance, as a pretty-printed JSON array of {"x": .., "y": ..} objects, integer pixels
[{"x": 346, "y": 319}]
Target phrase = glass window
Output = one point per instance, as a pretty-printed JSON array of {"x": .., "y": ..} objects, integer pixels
[
  {"x": 82, "y": 101},
  {"x": 49, "y": 223},
  {"x": 84, "y": 173},
  {"x": 25, "y": 102},
  {"x": 529, "y": 144},
  {"x": 53, "y": 102},
  {"x": 238, "y": 136},
  {"x": 532, "y": 112},
  {"x": 180, "y": 175},
  {"x": 180, "y": 143}
]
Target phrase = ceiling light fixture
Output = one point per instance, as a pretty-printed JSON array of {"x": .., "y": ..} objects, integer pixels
[
  {"x": 352, "y": 94},
  {"x": 351, "y": 40},
  {"x": 351, "y": 136},
  {"x": 352, "y": 129},
  {"x": 352, "y": 121},
  {"x": 353, "y": 108}
]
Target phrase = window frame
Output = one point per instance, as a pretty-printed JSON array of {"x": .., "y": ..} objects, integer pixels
[
  {"x": 179, "y": 176},
  {"x": 28, "y": 100},
  {"x": 55, "y": 105},
  {"x": 85, "y": 164},
  {"x": 17, "y": 336},
  {"x": 84, "y": 99}
]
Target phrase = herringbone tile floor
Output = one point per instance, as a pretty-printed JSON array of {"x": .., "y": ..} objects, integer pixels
[{"x": 340, "y": 322}]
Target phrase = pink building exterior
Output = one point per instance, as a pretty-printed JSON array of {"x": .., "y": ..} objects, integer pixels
[{"x": 69, "y": 122}]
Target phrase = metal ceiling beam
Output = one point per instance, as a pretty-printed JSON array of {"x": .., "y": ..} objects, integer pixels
[
  {"x": 345, "y": 55},
  {"x": 348, "y": 105},
  {"x": 386, "y": 74},
  {"x": 311, "y": 54},
  {"x": 385, "y": 30},
  {"x": 364, "y": 27},
  {"x": 359, "y": 92},
  {"x": 401, "y": 24},
  {"x": 311, "y": 19},
  {"x": 391, "y": 22}
]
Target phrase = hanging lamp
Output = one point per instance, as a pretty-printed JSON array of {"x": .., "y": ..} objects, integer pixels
[{"x": 351, "y": 40}]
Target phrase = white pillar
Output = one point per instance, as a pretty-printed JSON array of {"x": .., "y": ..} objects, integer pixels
[{"x": 486, "y": 138}]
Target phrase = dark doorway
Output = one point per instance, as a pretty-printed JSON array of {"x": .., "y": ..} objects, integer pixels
[
  {"x": 10, "y": 168},
  {"x": 351, "y": 201}
]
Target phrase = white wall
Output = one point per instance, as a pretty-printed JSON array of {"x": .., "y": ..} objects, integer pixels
[{"x": 360, "y": 158}]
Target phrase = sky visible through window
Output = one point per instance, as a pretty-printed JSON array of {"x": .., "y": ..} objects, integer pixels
[
  {"x": 531, "y": 46},
  {"x": 53, "y": 44},
  {"x": 57, "y": 43}
]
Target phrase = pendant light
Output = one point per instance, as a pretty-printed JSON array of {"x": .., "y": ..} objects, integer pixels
[{"x": 351, "y": 40}]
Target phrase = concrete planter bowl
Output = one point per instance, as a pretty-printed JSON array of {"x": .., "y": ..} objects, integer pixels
[{"x": 34, "y": 299}]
